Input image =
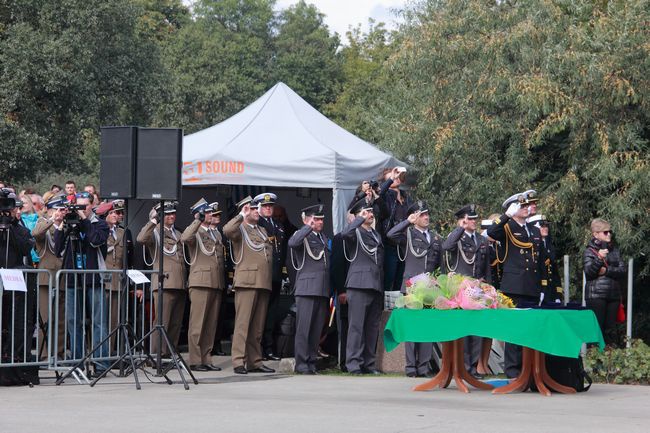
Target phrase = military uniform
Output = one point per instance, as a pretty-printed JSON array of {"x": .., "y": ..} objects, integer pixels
[
  {"x": 206, "y": 284},
  {"x": 551, "y": 282},
  {"x": 119, "y": 241},
  {"x": 311, "y": 257},
  {"x": 43, "y": 233},
  {"x": 422, "y": 251},
  {"x": 468, "y": 254},
  {"x": 252, "y": 253},
  {"x": 174, "y": 282},
  {"x": 276, "y": 235},
  {"x": 365, "y": 293},
  {"x": 522, "y": 257}
]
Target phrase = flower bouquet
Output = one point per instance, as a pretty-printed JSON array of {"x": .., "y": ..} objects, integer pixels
[{"x": 451, "y": 291}]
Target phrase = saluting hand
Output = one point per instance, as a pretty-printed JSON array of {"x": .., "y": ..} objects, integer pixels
[
  {"x": 413, "y": 217},
  {"x": 513, "y": 209},
  {"x": 246, "y": 210}
]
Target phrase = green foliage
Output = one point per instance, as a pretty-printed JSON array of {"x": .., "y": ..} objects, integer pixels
[
  {"x": 363, "y": 80},
  {"x": 621, "y": 366},
  {"x": 69, "y": 66},
  {"x": 219, "y": 64},
  {"x": 305, "y": 55},
  {"x": 488, "y": 98}
]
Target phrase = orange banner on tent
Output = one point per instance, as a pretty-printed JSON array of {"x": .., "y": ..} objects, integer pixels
[{"x": 199, "y": 168}]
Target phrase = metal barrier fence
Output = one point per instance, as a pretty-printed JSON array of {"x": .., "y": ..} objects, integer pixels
[
  {"x": 20, "y": 318},
  {"x": 93, "y": 309},
  {"x": 63, "y": 316}
]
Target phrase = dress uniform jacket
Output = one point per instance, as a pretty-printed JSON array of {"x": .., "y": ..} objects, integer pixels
[
  {"x": 477, "y": 253},
  {"x": 254, "y": 268},
  {"x": 415, "y": 265},
  {"x": 276, "y": 235},
  {"x": 44, "y": 235},
  {"x": 313, "y": 279},
  {"x": 206, "y": 270},
  {"x": 173, "y": 264},
  {"x": 553, "y": 287},
  {"x": 524, "y": 256},
  {"x": 366, "y": 270},
  {"x": 115, "y": 253}
]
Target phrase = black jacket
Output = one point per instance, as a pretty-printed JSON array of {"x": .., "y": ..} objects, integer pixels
[
  {"x": 389, "y": 219},
  {"x": 16, "y": 244},
  {"x": 602, "y": 286},
  {"x": 275, "y": 231},
  {"x": 83, "y": 253},
  {"x": 522, "y": 266}
]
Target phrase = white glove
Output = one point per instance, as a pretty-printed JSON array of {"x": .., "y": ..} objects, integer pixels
[{"x": 513, "y": 209}]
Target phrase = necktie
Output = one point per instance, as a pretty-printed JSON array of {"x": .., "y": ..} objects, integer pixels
[
  {"x": 474, "y": 239},
  {"x": 428, "y": 236}
]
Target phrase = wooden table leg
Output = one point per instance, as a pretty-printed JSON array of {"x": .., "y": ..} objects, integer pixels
[
  {"x": 538, "y": 362},
  {"x": 443, "y": 377},
  {"x": 459, "y": 366},
  {"x": 522, "y": 382},
  {"x": 453, "y": 366},
  {"x": 462, "y": 375}
]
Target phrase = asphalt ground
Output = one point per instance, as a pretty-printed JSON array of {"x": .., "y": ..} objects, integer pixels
[{"x": 226, "y": 402}]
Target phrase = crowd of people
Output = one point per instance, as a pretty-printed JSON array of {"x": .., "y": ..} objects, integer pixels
[{"x": 388, "y": 239}]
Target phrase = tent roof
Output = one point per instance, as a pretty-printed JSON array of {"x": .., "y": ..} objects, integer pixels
[{"x": 280, "y": 140}]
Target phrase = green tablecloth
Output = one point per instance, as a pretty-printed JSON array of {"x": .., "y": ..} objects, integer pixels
[{"x": 557, "y": 332}]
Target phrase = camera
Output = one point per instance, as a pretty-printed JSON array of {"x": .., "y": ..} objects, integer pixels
[{"x": 7, "y": 204}]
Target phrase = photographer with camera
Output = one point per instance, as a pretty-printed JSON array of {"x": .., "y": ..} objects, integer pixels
[
  {"x": 397, "y": 203},
  {"x": 604, "y": 268},
  {"x": 80, "y": 239},
  {"x": 15, "y": 240},
  {"x": 18, "y": 308}
]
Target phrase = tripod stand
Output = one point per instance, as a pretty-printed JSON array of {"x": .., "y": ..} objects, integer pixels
[{"x": 126, "y": 335}]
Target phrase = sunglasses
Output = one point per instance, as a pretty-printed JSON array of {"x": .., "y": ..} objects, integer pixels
[{"x": 607, "y": 232}]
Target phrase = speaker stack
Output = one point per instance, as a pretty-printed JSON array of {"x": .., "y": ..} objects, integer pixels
[{"x": 142, "y": 163}]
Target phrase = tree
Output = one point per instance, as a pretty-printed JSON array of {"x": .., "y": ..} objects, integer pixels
[
  {"x": 489, "y": 98},
  {"x": 69, "y": 67},
  {"x": 306, "y": 54},
  {"x": 363, "y": 79},
  {"x": 219, "y": 63}
]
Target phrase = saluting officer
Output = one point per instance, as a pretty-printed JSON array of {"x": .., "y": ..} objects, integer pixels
[
  {"x": 551, "y": 282},
  {"x": 119, "y": 240},
  {"x": 422, "y": 252},
  {"x": 252, "y": 254},
  {"x": 44, "y": 235},
  {"x": 364, "y": 250},
  {"x": 206, "y": 283},
  {"x": 274, "y": 229},
  {"x": 173, "y": 267},
  {"x": 468, "y": 253},
  {"x": 522, "y": 256},
  {"x": 310, "y": 257}
]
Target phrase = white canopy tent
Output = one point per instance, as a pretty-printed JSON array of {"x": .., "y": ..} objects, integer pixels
[{"x": 280, "y": 140}]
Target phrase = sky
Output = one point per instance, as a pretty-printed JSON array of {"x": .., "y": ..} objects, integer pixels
[{"x": 341, "y": 14}]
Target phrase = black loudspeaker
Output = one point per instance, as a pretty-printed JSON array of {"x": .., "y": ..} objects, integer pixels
[
  {"x": 159, "y": 163},
  {"x": 117, "y": 161}
]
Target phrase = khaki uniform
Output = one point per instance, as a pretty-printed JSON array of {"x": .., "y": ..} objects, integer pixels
[
  {"x": 115, "y": 261},
  {"x": 44, "y": 235},
  {"x": 206, "y": 282},
  {"x": 252, "y": 284},
  {"x": 174, "y": 283}
]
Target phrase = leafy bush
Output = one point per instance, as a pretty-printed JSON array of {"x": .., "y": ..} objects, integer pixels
[{"x": 621, "y": 366}]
